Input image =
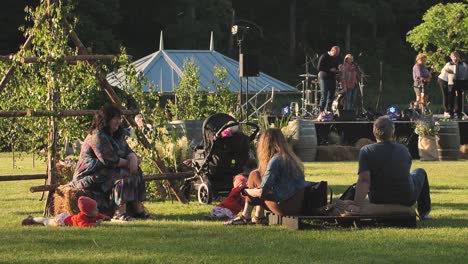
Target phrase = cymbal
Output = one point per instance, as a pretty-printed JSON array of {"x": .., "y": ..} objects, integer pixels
[{"x": 308, "y": 75}]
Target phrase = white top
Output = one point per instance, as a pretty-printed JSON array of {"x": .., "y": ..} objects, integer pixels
[{"x": 443, "y": 74}]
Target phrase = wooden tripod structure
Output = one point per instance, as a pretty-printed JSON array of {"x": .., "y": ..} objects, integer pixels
[{"x": 53, "y": 113}]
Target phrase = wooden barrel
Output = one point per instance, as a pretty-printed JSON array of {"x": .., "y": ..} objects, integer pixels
[
  {"x": 448, "y": 141},
  {"x": 304, "y": 139}
]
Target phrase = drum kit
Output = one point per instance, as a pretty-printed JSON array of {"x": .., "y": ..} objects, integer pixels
[{"x": 311, "y": 96}]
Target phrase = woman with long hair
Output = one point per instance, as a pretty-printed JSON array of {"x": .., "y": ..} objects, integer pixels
[
  {"x": 278, "y": 183},
  {"x": 109, "y": 169}
]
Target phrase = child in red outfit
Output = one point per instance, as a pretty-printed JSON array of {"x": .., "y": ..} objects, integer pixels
[
  {"x": 88, "y": 216},
  {"x": 234, "y": 203}
]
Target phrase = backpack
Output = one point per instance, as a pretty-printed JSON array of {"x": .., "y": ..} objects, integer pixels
[{"x": 315, "y": 198}]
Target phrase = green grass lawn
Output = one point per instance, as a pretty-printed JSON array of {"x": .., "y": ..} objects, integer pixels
[{"x": 180, "y": 235}]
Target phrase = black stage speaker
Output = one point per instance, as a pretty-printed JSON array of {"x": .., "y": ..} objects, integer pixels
[
  {"x": 248, "y": 65},
  {"x": 346, "y": 115}
]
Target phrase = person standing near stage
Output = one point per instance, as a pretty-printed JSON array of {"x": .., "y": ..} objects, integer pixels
[
  {"x": 328, "y": 68},
  {"x": 442, "y": 81},
  {"x": 421, "y": 79},
  {"x": 349, "y": 79},
  {"x": 452, "y": 69}
]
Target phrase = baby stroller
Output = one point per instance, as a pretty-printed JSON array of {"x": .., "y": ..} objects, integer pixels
[{"x": 222, "y": 156}]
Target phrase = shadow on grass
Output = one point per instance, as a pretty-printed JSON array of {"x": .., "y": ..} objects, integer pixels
[
  {"x": 447, "y": 187},
  {"x": 183, "y": 217},
  {"x": 26, "y": 213},
  {"x": 443, "y": 222},
  {"x": 16, "y": 200},
  {"x": 456, "y": 206}
]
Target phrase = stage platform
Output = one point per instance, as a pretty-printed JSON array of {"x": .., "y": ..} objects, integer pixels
[{"x": 348, "y": 132}]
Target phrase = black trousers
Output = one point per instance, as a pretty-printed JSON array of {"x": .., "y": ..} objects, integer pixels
[{"x": 445, "y": 94}]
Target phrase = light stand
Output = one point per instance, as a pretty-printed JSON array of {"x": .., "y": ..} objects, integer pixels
[
  {"x": 239, "y": 30},
  {"x": 305, "y": 87}
]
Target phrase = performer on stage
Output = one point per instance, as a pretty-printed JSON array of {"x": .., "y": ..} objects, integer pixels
[
  {"x": 442, "y": 80},
  {"x": 455, "y": 90},
  {"x": 328, "y": 68},
  {"x": 349, "y": 79},
  {"x": 421, "y": 79}
]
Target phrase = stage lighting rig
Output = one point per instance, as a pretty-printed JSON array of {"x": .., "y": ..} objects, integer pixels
[{"x": 392, "y": 112}]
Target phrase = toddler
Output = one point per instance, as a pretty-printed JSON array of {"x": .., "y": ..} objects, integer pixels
[
  {"x": 88, "y": 216},
  {"x": 234, "y": 203}
]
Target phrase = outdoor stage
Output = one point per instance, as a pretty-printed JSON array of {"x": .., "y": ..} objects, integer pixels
[{"x": 348, "y": 132}]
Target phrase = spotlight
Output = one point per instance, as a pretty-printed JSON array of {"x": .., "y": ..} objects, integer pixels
[
  {"x": 392, "y": 112},
  {"x": 236, "y": 29},
  {"x": 285, "y": 110}
]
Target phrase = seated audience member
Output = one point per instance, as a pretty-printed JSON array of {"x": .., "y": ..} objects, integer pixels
[
  {"x": 234, "y": 203},
  {"x": 109, "y": 168},
  {"x": 384, "y": 174},
  {"x": 278, "y": 183},
  {"x": 142, "y": 125}
]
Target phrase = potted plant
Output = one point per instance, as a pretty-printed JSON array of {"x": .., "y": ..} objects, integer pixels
[{"x": 427, "y": 129}]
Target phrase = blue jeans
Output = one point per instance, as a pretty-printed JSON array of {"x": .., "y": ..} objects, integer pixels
[
  {"x": 421, "y": 192},
  {"x": 327, "y": 90},
  {"x": 350, "y": 97}
]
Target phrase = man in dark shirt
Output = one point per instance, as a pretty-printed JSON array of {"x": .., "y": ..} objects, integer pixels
[
  {"x": 328, "y": 68},
  {"x": 384, "y": 173}
]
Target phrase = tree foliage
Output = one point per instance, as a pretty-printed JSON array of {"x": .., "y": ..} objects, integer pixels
[
  {"x": 444, "y": 29},
  {"x": 194, "y": 102},
  {"x": 76, "y": 84}
]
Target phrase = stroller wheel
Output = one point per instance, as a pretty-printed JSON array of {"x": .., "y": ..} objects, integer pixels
[
  {"x": 185, "y": 189},
  {"x": 205, "y": 194}
]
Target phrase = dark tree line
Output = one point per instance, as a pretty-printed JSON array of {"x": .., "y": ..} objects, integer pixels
[{"x": 281, "y": 33}]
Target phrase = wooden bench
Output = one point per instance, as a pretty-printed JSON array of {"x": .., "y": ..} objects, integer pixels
[{"x": 317, "y": 222}]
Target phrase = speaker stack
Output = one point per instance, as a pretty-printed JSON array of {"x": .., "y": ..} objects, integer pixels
[{"x": 248, "y": 65}]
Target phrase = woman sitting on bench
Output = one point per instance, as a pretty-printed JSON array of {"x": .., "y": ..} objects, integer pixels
[
  {"x": 278, "y": 183},
  {"x": 109, "y": 168}
]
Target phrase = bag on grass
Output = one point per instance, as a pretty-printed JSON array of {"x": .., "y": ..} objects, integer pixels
[
  {"x": 315, "y": 198},
  {"x": 349, "y": 193}
]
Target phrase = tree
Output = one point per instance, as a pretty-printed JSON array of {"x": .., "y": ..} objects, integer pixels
[
  {"x": 189, "y": 95},
  {"x": 445, "y": 28}
]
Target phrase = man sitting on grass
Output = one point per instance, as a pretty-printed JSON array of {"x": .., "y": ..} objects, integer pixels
[{"x": 384, "y": 174}]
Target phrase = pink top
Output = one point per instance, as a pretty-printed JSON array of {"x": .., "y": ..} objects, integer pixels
[{"x": 349, "y": 76}]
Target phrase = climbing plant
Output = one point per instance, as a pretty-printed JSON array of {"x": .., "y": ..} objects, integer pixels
[{"x": 75, "y": 84}]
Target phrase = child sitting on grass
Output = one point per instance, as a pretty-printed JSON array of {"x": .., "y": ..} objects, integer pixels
[
  {"x": 233, "y": 204},
  {"x": 88, "y": 216}
]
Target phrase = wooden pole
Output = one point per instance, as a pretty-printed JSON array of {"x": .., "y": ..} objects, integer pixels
[
  {"x": 73, "y": 59},
  {"x": 63, "y": 113},
  {"x": 23, "y": 177},
  {"x": 52, "y": 149},
  {"x": 148, "y": 177}
]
